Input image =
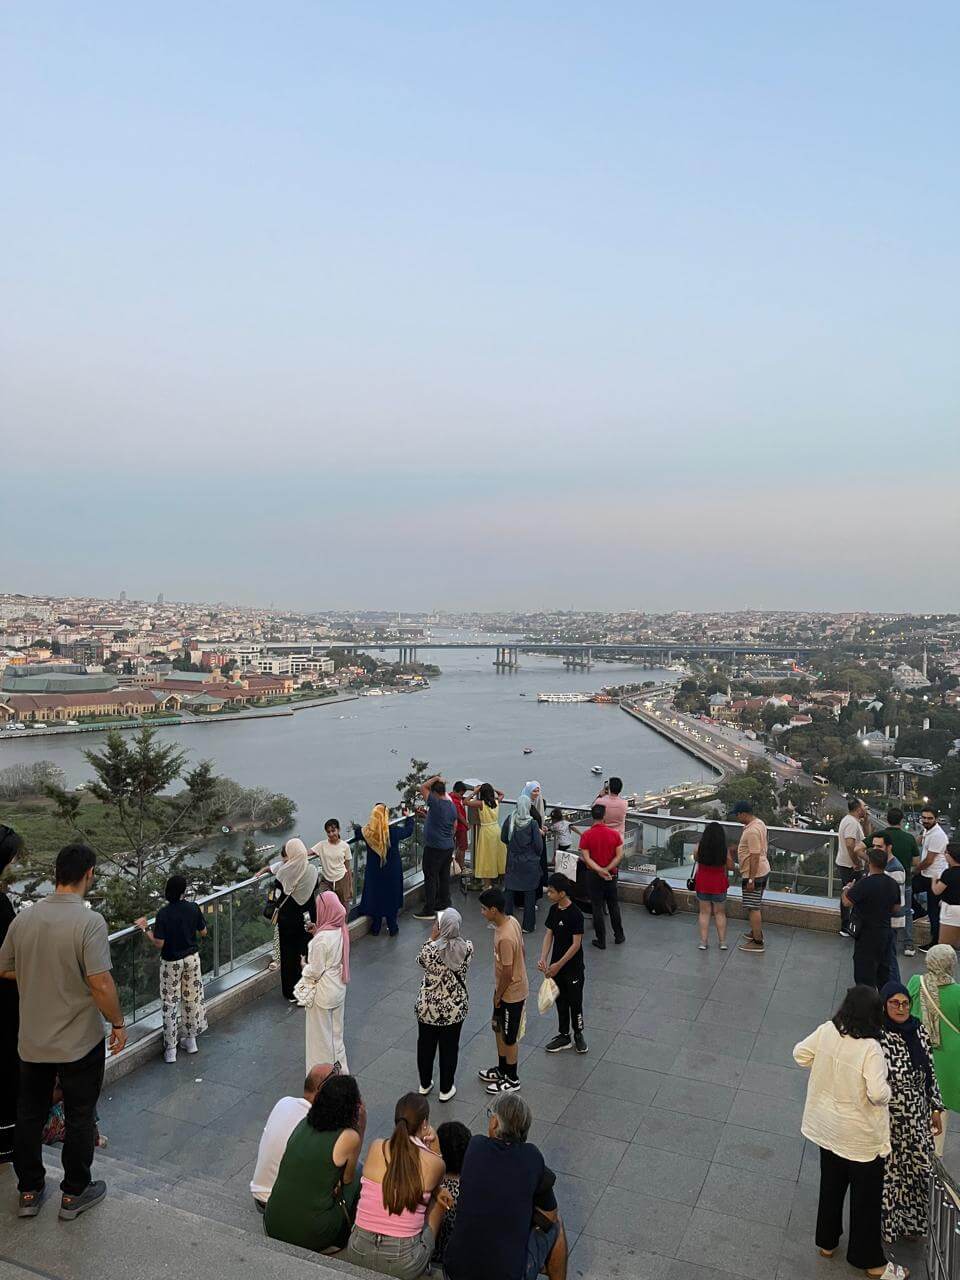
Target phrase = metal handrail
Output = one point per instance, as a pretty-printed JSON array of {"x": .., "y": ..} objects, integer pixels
[{"x": 943, "y": 1240}]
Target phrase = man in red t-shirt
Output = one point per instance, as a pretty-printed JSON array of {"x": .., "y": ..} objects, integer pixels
[{"x": 601, "y": 848}]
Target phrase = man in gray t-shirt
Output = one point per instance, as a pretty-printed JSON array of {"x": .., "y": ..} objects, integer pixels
[{"x": 58, "y": 953}]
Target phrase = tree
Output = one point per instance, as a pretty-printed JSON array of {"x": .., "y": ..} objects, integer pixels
[
  {"x": 131, "y": 779},
  {"x": 19, "y": 780},
  {"x": 409, "y": 787}
]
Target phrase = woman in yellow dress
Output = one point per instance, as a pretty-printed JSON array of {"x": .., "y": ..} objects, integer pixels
[{"x": 491, "y": 852}]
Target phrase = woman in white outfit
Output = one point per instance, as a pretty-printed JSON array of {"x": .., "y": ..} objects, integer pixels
[{"x": 324, "y": 983}]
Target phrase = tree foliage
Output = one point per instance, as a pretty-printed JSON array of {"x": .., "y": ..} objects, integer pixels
[
  {"x": 409, "y": 786},
  {"x": 19, "y": 780}
]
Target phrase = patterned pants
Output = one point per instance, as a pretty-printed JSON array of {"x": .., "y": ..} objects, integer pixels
[{"x": 181, "y": 999}]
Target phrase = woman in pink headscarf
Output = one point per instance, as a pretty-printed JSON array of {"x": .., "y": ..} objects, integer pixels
[{"x": 323, "y": 988}]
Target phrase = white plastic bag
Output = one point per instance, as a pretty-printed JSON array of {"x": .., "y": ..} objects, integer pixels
[
  {"x": 547, "y": 995},
  {"x": 565, "y": 864}
]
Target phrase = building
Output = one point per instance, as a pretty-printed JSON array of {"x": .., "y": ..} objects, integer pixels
[
  {"x": 906, "y": 677},
  {"x": 45, "y": 708}
]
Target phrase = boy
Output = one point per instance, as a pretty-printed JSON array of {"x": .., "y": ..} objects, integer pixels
[
  {"x": 563, "y": 941},
  {"x": 509, "y": 992},
  {"x": 875, "y": 899}
]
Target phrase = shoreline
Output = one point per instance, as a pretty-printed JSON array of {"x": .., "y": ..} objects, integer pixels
[{"x": 699, "y": 752}]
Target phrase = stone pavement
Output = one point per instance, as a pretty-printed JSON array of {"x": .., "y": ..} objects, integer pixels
[{"x": 676, "y": 1139}]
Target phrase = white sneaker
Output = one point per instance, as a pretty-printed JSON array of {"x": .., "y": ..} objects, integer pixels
[
  {"x": 189, "y": 1043},
  {"x": 445, "y": 1097},
  {"x": 426, "y": 1090},
  {"x": 169, "y": 1055}
]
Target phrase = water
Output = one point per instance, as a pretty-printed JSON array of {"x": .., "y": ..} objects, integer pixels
[{"x": 337, "y": 761}]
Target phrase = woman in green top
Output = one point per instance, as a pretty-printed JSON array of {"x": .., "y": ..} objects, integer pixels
[
  {"x": 935, "y": 1000},
  {"x": 314, "y": 1198}
]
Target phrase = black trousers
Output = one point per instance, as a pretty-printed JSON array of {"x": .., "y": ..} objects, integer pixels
[
  {"x": 921, "y": 884},
  {"x": 447, "y": 1040},
  {"x": 292, "y": 950},
  {"x": 525, "y": 901},
  {"x": 847, "y": 876},
  {"x": 436, "y": 878},
  {"x": 9, "y": 1074},
  {"x": 604, "y": 892},
  {"x": 570, "y": 1001},
  {"x": 871, "y": 956},
  {"x": 865, "y": 1180},
  {"x": 81, "y": 1082}
]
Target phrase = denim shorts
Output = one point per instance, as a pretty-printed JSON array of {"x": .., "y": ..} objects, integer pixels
[
  {"x": 711, "y": 897},
  {"x": 404, "y": 1257}
]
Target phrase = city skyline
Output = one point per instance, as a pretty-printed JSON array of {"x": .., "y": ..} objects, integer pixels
[{"x": 428, "y": 308}]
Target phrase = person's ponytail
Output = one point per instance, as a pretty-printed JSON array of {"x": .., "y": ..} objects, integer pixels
[{"x": 403, "y": 1180}]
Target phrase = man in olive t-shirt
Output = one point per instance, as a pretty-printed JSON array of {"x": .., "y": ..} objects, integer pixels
[{"x": 58, "y": 953}]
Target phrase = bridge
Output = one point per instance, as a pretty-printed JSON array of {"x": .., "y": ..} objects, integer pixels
[{"x": 575, "y": 654}]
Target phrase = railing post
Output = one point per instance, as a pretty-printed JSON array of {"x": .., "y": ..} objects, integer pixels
[
  {"x": 216, "y": 939},
  {"x": 830, "y": 862},
  {"x": 230, "y": 927}
]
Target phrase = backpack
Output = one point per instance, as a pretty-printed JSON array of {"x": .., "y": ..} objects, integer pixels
[{"x": 658, "y": 898}]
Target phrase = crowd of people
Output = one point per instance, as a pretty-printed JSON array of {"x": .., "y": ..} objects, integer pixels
[{"x": 884, "y": 1071}]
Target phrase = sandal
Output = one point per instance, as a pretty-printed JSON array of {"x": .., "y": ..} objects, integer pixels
[
  {"x": 825, "y": 1253},
  {"x": 892, "y": 1271}
]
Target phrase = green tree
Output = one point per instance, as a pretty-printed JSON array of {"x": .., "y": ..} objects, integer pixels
[{"x": 409, "y": 786}]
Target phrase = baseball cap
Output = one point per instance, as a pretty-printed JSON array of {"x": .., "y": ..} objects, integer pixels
[{"x": 742, "y": 806}]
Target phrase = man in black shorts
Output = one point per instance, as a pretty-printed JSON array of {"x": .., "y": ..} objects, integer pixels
[
  {"x": 509, "y": 992},
  {"x": 563, "y": 944}
]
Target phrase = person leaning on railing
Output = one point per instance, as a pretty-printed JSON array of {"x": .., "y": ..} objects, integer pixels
[
  {"x": 295, "y": 908},
  {"x": 175, "y": 932}
]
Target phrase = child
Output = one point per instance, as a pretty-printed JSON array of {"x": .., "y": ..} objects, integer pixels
[
  {"x": 453, "y": 1138},
  {"x": 563, "y": 941},
  {"x": 560, "y": 829}
]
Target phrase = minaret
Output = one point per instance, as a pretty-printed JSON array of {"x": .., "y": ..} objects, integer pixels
[{"x": 924, "y": 667}]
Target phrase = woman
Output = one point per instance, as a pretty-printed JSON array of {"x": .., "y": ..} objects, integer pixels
[
  {"x": 947, "y": 889},
  {"x": 454, "y": 1138},
  {"x": 846, "y": 1115},
  {"x": 295, "y": 887},
  {"x": 443, "y": 1001},
  {"x": 323, "y": 988},
  {"x": 175, "y": 931},
  {"x": 525, "y": 853},
  {"x": 383, "y": 879},
  {"x": 314, "y": 1198},
  {"x": 538, "y": 810},
  {"x": 10, "y": 845},
  {"x": 915, "y": 1107},
  {"x": 712, "y": 861},
  {"x": 336, "y": 862},
  {"x": 491, "y": 856},
  {"x": 935, "y": 1000},
  {"x": 401, "y": 1208}
]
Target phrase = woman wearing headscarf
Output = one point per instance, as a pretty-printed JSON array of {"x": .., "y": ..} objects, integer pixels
[
  {"x": 382, "y": 896},
  {"x": 10, "y": 846},
  {"x": 323, "y": 987},
  {"x": 538, "y": 810},
  {"x": 935, "y": 1000},
  {"x": 294, "y": 890},
  {"x": 915, "y": 1107},
  {"x": 525, "y": 852},
  {"x": 443, "y": 1001}
]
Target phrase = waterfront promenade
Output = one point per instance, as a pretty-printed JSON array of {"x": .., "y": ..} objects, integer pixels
[{"x": 676, "y": 1139}]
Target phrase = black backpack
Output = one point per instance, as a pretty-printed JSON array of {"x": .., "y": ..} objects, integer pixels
[{"x": 658, "y": 898}]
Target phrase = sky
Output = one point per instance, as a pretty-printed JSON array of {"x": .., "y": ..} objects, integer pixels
[{"x": 437, "y": 305}]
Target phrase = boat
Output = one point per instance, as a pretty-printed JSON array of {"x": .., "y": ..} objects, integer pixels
[
  {"x": 597, "y": 769},
  {"x": 523, "y": 695},
  {"x": 528, "y": 751},
  {"x": 468, "y": 726}
]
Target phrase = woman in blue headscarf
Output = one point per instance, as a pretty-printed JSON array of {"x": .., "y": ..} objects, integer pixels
[
  {"x": 538, "y": 810},
  {"x": 915, "y": 1107},
  {"x": 525, "y": 850}
]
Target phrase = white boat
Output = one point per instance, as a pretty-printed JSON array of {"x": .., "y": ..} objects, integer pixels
[
  {"x": 597, "y": 769},
  {"x": 528, "y": 751}
]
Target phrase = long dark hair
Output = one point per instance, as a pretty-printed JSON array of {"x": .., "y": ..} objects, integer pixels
[
  {"x": 10, "y": 846},
  {"x": 403, "y": 1180},
  {"x": 712, "y": 849},
  {"x": 336, "y": 1105},
  {"x": 488, "y": 795},
  {"x": 861, "y": 1014}
]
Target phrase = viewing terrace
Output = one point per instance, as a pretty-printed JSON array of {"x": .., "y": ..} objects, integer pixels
[{"x": 675, "y": 1139}]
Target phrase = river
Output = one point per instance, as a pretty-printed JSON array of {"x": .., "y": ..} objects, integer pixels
[{"x": 336, "y": 761}]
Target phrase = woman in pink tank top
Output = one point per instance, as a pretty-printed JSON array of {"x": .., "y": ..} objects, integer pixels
[{"x": 401, "y": 1204}]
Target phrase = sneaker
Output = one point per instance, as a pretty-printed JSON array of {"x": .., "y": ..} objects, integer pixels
[
  {"x": 425, "y": 915},
  {"x": 926, "y": 947},
  {"x": 30, "y": 1202},
  {"x": 170, "y": 1055},
  {"x": 723, "y": 946},
  {"x": 909, "y": 951},
  {"x": 702, "y": 946},
  {"x": 752, "y": 945},
  {"x": 489, "y": 1073},
  {"x": 72, "y": 1206},
  {"x": 189, "y": 1043},
  {"x": 503, "y": 1084},
  {"x": 451, "y": 1093},
  {"x": 558, "y": 1044},
  {"x": 579, "y": 1043},
  {"x": 845, "y": 933},
  {"x": 601, "y": 946},
  {"x": 426, "y": 1090},
  {"x": 619, "y": 941}
]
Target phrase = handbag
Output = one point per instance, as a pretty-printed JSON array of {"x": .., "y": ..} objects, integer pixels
[
  {"x": 565, "y": 864},
  {"x": 271, "y": 912},
  {"x": 305, "y": 993}
]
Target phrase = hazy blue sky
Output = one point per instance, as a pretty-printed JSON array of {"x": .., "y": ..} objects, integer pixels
[{"x": 419, "y": 304}]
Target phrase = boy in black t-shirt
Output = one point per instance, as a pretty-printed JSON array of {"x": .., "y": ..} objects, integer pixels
[
  {"x": 563, "y": 941},
  {"x": 874, "y": 898}
]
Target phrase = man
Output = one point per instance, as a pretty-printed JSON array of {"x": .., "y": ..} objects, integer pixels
[
  {"x": 438, "y": 844},
  {"x": 907, "y": 852},
  {"x": 507, "y": 1226},
  {"x": 933, "y": 861},
  {"x": 461, "y": 831},
  {"x": 563, "y": 942},
  {"x": 601, "y": 848},
  {"x": 754, "y": 870},
  {"x": 614, "y": 806},
  {"x": 876, "y": 899},
  {"x": 851, "y": 853},
  {"x": 281, "y": 1122},
  {"x": 510, "y": 990},
  {"x": 59, "y": 955},
  {"x": 894, "y": 869}
]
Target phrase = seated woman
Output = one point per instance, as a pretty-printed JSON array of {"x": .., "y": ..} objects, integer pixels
[
  {"x": 454, "y": 1138},
  {"x": 402, "y": 1206},
  {"x": 314, "y": 1199}
]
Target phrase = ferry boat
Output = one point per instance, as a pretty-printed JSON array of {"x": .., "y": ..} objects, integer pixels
[
  {"x": 528, "y": 751},
  {"x": 564, "y": 697},
  {"x": 597, "y": 769}
]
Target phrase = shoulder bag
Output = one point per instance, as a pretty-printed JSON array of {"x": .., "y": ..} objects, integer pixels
[{"x": 275, "y": 900}]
